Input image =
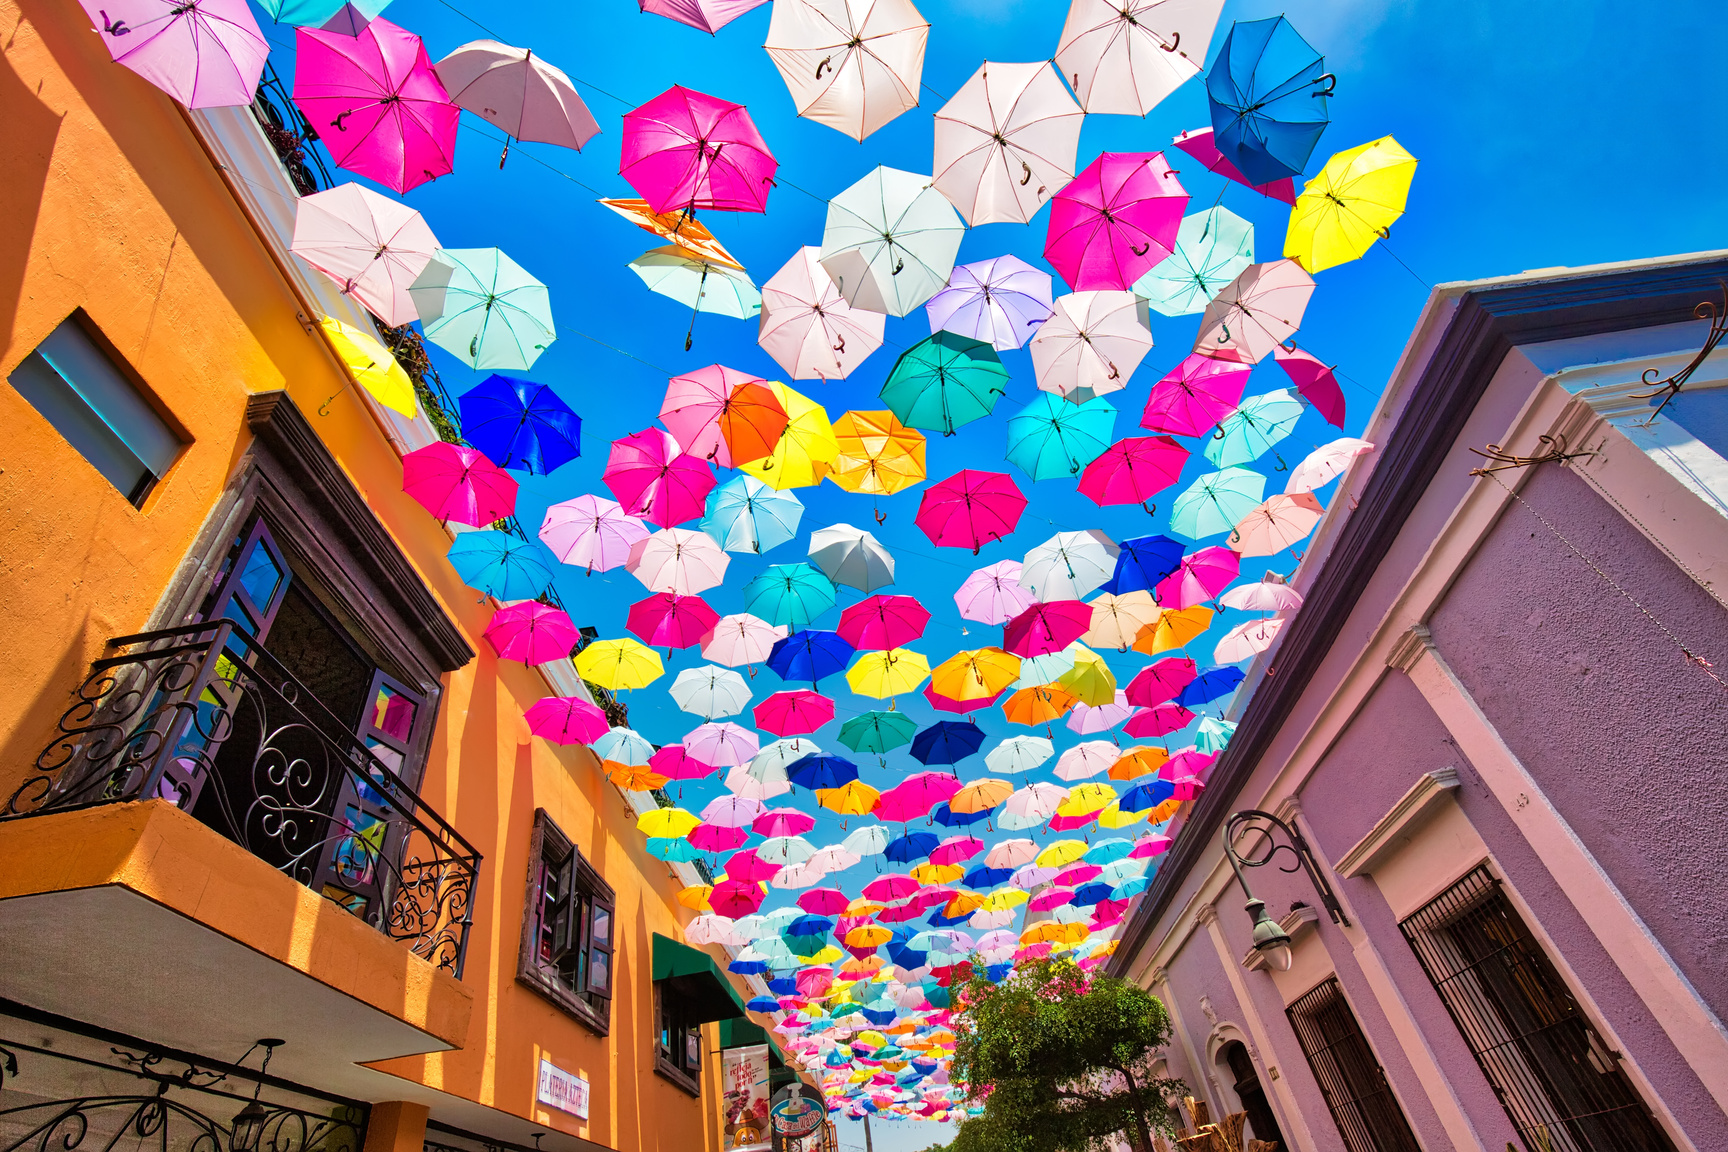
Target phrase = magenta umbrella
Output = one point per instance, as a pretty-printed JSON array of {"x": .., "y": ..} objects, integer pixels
[
  {"x": 653, "y": 479},
  {"x": 1117, "y": 219},
  {"x": 959, "y": 707},
  {"x": 1133, "y": 470},
  {"x": 591, "y": 532},
  {"x": 708, "y": 15},
  {"x": 376, "y": 103},
  {"x": 205, "y": 55},
  {"x": 915, "y": 796},
  {"x": 532, "y": 633},
  {"x": 1161, "y": 681},
  {"x": 715, "y": 838},
  {"x": 796, "y": 712},
  {"x": 970, "y": 509},
  {"x": 668, "y": 621},
  {"x": 566, "y": 720},
  {"x": 684, "y": 150},
  {"x": 1046, "y": 628},
  {"x": 735, "y": 898},
  {"x": 1198, "y": 578},
  {"x": 1161, "y": 720},
  {"x": 1314, "y": 380},
  {"x": 883, "y": 622},
  {"x": 826, "y": 902},
  {"x": 956, "y": 850},
  {"x": 457, "y": 483},
  {"x": 781, "y": 822},
  {"x": 675, "y": 763},
  {"x": 1196, "y": 394}
]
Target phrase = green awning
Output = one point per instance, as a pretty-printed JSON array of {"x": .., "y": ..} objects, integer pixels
[
  {"x": 744, "y": 1034},
  {"x": 694, "y": 977}
]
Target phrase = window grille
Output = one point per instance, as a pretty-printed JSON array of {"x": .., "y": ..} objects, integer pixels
[{"x": 1350, "y": 1078}]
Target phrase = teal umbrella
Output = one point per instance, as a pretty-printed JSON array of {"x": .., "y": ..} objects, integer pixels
[
  {"x": 483, "y": 308},
  {"x": 1211, "y": 735},
  {"x": 792, "y": 595},
  {"x": 945, "y": 381},
  {"x": 1053, "y": 437},
  {"x": 1212, "y": 249},
  {"x": 1215, "y": 502},
  {"x": 745, "y": 515},
  {"x": 1251, "y": 431},
  {"x": 675, "y": 273},
  {"x": 878, "y": 732},
  {"x": 673, "y": 849},
  {"x": 501, "y": 565}
]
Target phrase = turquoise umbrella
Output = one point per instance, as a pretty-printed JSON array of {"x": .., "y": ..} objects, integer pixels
[
  {"x": 793, "y": 595},
  {"x": 501, "y": 565},
  {"x": 1251, "y": 431},
  {"x": 878, "y": 732},
  {"x": 945, "y": 381},
  {"x": 700, "y": 286},
  {"x": 1216, "y": 502},
  {"x": 1211, "y": 735},
  {"x": 1053, "y": 437},
  {"x": 1212, "y": 249},
  {"x": 673, "y": 849},
  {"x": 483, "y": 308},
  {"x": 745, "y": 515}
]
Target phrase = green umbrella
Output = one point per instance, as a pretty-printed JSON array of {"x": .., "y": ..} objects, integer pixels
[
  {"x": 943, "y": 382},
  {"x": 1053, "y": 437},
  {"x": 480, "y": 306},
  {"x": 698, "y": 285},
  {"x": 878, "y": 732},
  {"x": 791, "y": 595},
  {"x": 1212, "y": 249},
  {"x": 1215, "y": 502},
  {"x": 1250, "y": 432}
]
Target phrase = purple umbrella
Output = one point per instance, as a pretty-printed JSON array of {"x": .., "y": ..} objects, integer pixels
[
  {"x": 1000, "y": 301},
  {"x": 205, "y": 55}
]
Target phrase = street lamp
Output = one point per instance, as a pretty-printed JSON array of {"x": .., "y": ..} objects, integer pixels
[
  {"x": 1268, "y": 936},
  {"x": 249, "y": 1124}
]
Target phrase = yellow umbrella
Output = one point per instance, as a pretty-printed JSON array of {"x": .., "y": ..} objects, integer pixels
[
  {"x": 937, "y": 873},
  {"x": 975, "y": 674},
  {"x": 1175, "y": 627},
  {"x": 667, "y": 822},
  {"x": 696, "y": 897},
  {"x": 885, "y": 674},
  {"x": 1040, "y": 705},
  {"x": 980, "y": 794},
  {"x": 619, "y": 664},
  {"x": 854, "y": 798},
  {"x": 861, "y": 1076},
  {"x": 633, "y": 777},
  {"x": 1090, "y": 680},
  {"x": 1114, "y": 817},
  {"x": 806, "y": 448},
  {"x": 878, "y": 454},
  {"x": 827, "y": 956},
  {"x": 871, "y": 1037},
  {"x": 868, "y": 936},
  {"x": 963, "y": 904},
  {"x": 1117, "y": 620},
  {"x": 1087, "y": 799},
  {"x": 1138, "y": 762},
  {"x": 1350, "y": 204},
  {"x": 371, "y": 365},
  {"x": 1060, "y": 853},
  {"x": 1006, "y": 899}
]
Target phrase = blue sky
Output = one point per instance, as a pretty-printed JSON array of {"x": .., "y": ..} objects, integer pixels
[{"x": 1548, "y": 134}]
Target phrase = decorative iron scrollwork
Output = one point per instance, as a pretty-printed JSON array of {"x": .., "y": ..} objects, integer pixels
[
  {"x": 1670, "y": 387},
  {"x": 1555, "y": 453}
]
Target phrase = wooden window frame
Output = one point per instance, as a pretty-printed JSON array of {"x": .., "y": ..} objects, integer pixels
[
  {"x": 551, "y": 848},
  {"x": 664, "y": 1066}
]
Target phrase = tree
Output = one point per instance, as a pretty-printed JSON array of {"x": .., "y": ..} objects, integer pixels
[{"x": 1061, "y": 1060}]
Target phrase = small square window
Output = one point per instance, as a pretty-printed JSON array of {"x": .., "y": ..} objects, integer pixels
[
  {"x": 678, "y": 1055},
  {"x": 91, "y": 400},
  {"x": 567, "y": 929}
]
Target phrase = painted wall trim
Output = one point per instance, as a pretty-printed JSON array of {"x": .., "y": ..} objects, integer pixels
[{"x": 1393, "y": 830}]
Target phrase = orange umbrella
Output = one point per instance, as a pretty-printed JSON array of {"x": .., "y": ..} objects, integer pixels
[
  {"x": 975, "y": 674},
  {"x": 854, "y": 798},
  {"x": 680, "y": 228},
  {"x": 1163, "y": 811},
  {"x": 980, "y": 795},
  {"x": 864, "y": 968},
  {"x": 1173, "y": 629},
  {"x": 696, "y": 897},
  {"x": 878, "y": 454},
  {"x": 964, "y": 903},
  {"x": 1054, "y": 932},
  {"x": 1038, "y": 705},
  {"x": 1137, "y": 762},
  {"x": 634, "y": 777},
  {"x": 937, "y": 873}
]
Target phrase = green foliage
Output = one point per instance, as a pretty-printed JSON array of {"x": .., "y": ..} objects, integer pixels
[{"x": 1061, "y": 1061}]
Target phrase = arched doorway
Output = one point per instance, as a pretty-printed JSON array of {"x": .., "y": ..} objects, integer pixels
[{"x": 1262, "y": 1125}]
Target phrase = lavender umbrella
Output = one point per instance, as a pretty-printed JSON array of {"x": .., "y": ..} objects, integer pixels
[
  {"x": 205, "y": 55},
  {"x": 1001, "y": 302}
]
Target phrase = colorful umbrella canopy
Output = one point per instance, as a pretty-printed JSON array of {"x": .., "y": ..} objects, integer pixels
[
  {"x": 1212, "y": 249},
  {"x": 591, "y": 532},
  {"x": 1090, "y": 681},
  {"x": 890, "y": 239},
  {"x": 1000, "y": 301},
  {"x": 793, "y": 713},
  {"x": 945, "y": 381},
  {"x": 886, "y": 674},
  {"x": 1005, "y": 141},
  {"x": 970, "y": 509},
  {"x": 1325, "y": 464},
  {"x": 1314, "y": 380},
  {"x": 993, "y": 595},
  {"x": 852, "y": 557},
  {"x": 853, "y": 65},
  {"x": 724, "y": 745},
  {"x": 1256, "y": 312},
  {"x": 809, "y": 655},
  {"x": 854, "y": 798},
  {"x": 678, "y": 560},
  {"x": 518, "y": 93},
  {"x": 675, "y": 763},
  {"x": 1091, "y": 344},
  {"x": 1118, "y": 619},
  {"x": 789, "y": 594},
  {"x": 666, "y": 620},
  {"x": 1199, "y": 578},
  {"x": 619, "y": 665},
  {"x": 458, "y": 484},
  {"x": 699, "y": 284},
  {"x": 1160, "y": 720},
  {"x": 685, "y": 150},
  {"x": 1053, "y": 437},
  {"x": 370, "y": 245},
  {"x": 1210, "y": 685},
  {"x": 878, "y": 732},
  {"x": 1161, "y": 681},
  {"x": 483, "y": 308},
  {"x": 1015, "y": 755},
  {"x": 653, "y": 479},
  {"x": 809, "y": 328},
  {"x": 883, "y": 622},
  {"x": 1267, "y": 90},
  {"x": 878, "y": 454},
  {"x": 1133, "y": 471},
  {"x": 975, "y": 674},
  {"x": 681, "y": 228},
  {"x": 741, "y": 639},
  {"x": 816, "y": 772},
  {"x": 1254, "y": 429},
  {"x": 566, "y": 720},
  {"x": 1117, "y": 219},
  {"x": 1196, "y": 394},
  {"x": 1125, "y": 56},
  {"x": 205, "y": 55},
  {"x": 1069, "y": 565},
  {"x": 1279, "y": 523},
  {"x": 745, "y": 515},
  {"x": 1268, "y": 594},
  {"x": 1032, "y": 805},
  {"x": 520, "y": 424},
  {"x": 708, "y": 15},
  {"x": 531, "y": 632},
  {"x": 1245, "y": 641},
  {"x": 805, "y": 450},
  {"x": 1086, "y": 720},
  {"x": 710, "y": 693},
  {"x": 371, "y": 365},
  {"x": 1045, "y": 628},
  {"x": 1175, "y": 627},
  {"x": 1201, "y": 145},
  {"x": 723, "y": 415},
  {"x": 1356, "y": 197},
  {"x": 376, "y": 103}
]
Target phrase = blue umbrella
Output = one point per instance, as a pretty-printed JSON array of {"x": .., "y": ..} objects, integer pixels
[
  {"x": 748, "y": 968},
  {"x": 501, "y": 565},
  {"x": 936, "y": 994},
  {"x": 1130, "y": 888},
  {"x": 745, "y": 515},
  {"x": 808, "y": 925},
  {"x": 809, "y": 655},
  {"x": 937, "y": 920},
  {"x": 911, "y": 846},
  {"x": 900, "y": 953},
  {"x": 520, "y": 424},
  {"x": 1089, "y": 894},
  {"x": 947, "y": 742},
  {"x": 949, "y": 818},
  {"x": 983, "y": 877},
  {"x": 783, "y": 986},
  {"x": 1142, "y": 797},
  {"x": 672, "y": 849},
  {"x": 763, "y": 1004},
  {"x": 1052, "y": 437},
  {"x": 1267, "y": 91},
  {"x": 1108, "y": 851},
  {"x": 1209, "y": 685},
  {"x": 1142, "y": 562},
  {"x": 816, "y": 771},
  {"x": 996, "y": 973},
  {"x": 880, "y": 1017},
  {"x": 789, "y": 594}
]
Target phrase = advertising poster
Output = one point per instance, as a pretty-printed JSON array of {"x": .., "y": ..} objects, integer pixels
[
  {"x": 744, "y": 1080},
  {"x": 796, "y": 1116}
]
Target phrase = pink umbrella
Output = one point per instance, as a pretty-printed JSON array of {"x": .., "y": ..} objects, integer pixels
[
  {"x": 675, "y": 763},
  {"x": 883, "y": 622},
  {"x": 1083, "y": 761},
  {"x": 1087, "y": 719},
  {"x": 665, "y": 620},
  {"x": 532, "y": 633},
  {"x": 724, "y": 745},
  {"x": 970, "y": 509},
  {"x": 1278, "y": 523},
  {"x": 1199, "y": 577},
  {"x": 518, "y": 93},
  {"x": 993, "y": 595},
  {"x": 1161, "y": 681},
  {"x": 591, "y": 532},
  {"x": 1077, "y": 875},
  {"x": 723, "y": 415},
  {"x": 1314, "y": 380},
  {"x": 1245, "y": 641},
  {"x": 830, "y": 902},
  {"x": 814, "y": 981},
  {"x": 734, "y": 898},
  {"x": 808, "y": 327},
  {"x": 205, "y": 55},
  {"x": 1051, "y": 897},
  {"x": 741, "y": 639},
  {"x": 1269, "y": 594},
  {"x": 747, "y": 866},
  {"x": 956, "y": 850},
  {"x": 1197, "y": 393},
  {"x": 893, "y": 886},
  {"x": 457, "y": 483},
  {"x": 654, "y": 480},
  {"x": 716, "y": 838},
  {"x": 1070, "y": 823},
  {"x": 1325, "y": 464},
  {"x": 1046, "y": 628},
  {"x": 1117, "y": 219},
  {"x": 1256, "y": 312},
  {"x": 566, "y": 720},
  {"x": 1160, "y": 720},
  {"x": 684, "y": 150},
  {"x": 1189, "y": 762},
  {"x": 736, "y": 812},
  {"x": 916, "y": 795},
  {"x": 1133, "y": 470},
  {"x": 793, "y": 713},
  {"x": 959, "y": 707},
  {"x": 708, "y": 15},
  {"x": 782, "y": 822},
  {"x": 1151, "y": 844},
  {"x": 1032, "y": 876},
  {"x": 1198, "y": 143},
  {"x": 376, "y": 103},
  {"x": 369, "y": 244}
]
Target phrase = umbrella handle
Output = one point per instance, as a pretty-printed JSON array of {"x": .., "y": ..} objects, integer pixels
[
  {"x": 1024, "y": 180},
  {"x": 1142, "y": 250},
  {"x": 1331, "y": 82},
  {"x": 1289, "y": 345},
  {"x": 1175, "y": 43}
]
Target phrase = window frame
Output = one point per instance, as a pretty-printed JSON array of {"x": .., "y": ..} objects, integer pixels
[
  {"x": 1348, "y": 1115},
  {"x": 669, "y": 1038},
  {"x": 550, "y": 849}
]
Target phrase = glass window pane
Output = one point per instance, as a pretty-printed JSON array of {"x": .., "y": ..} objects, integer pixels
[
  {"x": 602, "y": 927},
  {"x": 363, "y": 845},
  {"x": 261, "y": 576},
  {"x": 393, "y": 713},
  {"x": 600, "y": 974},
  {"x": 111, "y": 395},
  {"x": 82, "y": 427}
]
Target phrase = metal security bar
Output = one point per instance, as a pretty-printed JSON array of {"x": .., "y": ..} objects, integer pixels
[
  {"x": 1562, "y": 1087},
  {"x": 1350, "y": 1078}
]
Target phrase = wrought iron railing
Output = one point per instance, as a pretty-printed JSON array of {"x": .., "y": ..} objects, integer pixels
[
  {"x": 203, "y": 717},
  {"x": 290, "y": 134}
]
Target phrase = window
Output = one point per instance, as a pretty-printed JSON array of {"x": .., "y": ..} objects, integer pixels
[
  {"x": 678, "y": 1051},
  {"x": 1350, "y": 1078},
  {"x": 91, "y": 400},
  {"x": 1562, "y": 1087},
  {"x": 567, "y": 937}
]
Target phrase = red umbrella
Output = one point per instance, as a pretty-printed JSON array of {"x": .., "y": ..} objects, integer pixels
[
  {"x": 1159, "y": 720},
  {"x": 793, "y": 713},
  {"x": 1046, "y": 628},
  {"x": 958, "y": 707},
  {"x": 1198, "y": 578},
  {"x": 1197, "y": 393},
  {"x": 668, "y": 621},
  {"x": 970, "y": 509},
  {"x": 532, "y": 633},
  {"x": 1161, "y": 681},
  {"x": 674, "y": 763},
  {"x": 1314, "y": 380},
  {"x": 883, "y": 622},
  {"x": 653, "y": 479},
  {"x": 1117, "y": 219},
  {"x": 723, "y": 415},
  {"x": 1133, "y": 470},
  {"x": 457, "y": 483},
  {"x": 684, "y": 150},
  {"x": 733, "y": 898},
  {"x": 566, "y": 720}
]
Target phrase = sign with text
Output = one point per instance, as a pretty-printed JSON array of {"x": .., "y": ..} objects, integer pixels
[
  {"x": 562, "y": 1090},
  {"x": 744, "y": 1080}
]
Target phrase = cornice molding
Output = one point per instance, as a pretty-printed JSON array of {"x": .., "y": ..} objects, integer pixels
[
  {"x": 1411, "y": 647},
  {"x": 1412, "y": 809}
]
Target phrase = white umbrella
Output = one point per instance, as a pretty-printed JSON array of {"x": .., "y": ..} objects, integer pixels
[
  {"x": 373, "y": 247},
  {"x": 732, "y": 811},
  {"x": 1326, "y": 463},
  {"x": 851, "y": 556},
  {"x": 1212, "y": 249},
  {"x": 870, "y": 840},
  {"x": 1118, "y": 618},
  {"x": 518, "y": 93},
  {"x": 1278, "y": 523},
  {"x": 591, "y": 532},
  {"x": 808, "y": 327},
  {"x": 795, "y": 876},
  {"x": 1031, "y": 806},
  {"x": 681, "y": 561},
  {"x": 1006, "y": 142},
  {"x": 1091, "y": 344},
  {"x": 1124, "y": 56},
  {"x": 992, "y": 594},
  {"x": 834, "y": 858},
  {"x": 1069, "y": 566},
  {"x": 1011, "y": 854},
  {"x": 890, "y": 241},
  {"x": 1255, "y": 312},
  {"x": 1019, "y": 754},
  {"x": 741, "y": 639},
  {"x": 1268, "y": 594},
  {"x": 853, "y": 65},
  {"x": 1246, "y": 641},
  {"x": 710, "y": 692},
  {"x": 1031, "y": 875},
  {"x": 993, "y": 918},
  {"x": 765, "y": 785},
  {"x": 1084, "y": 761},
  {"x": 785, "y": 850},
  {"x": 1000, "y": 301},
  {"x": 709, "y": 928},
  {"x": 724, "y": 745}
]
